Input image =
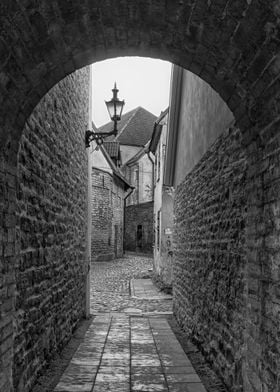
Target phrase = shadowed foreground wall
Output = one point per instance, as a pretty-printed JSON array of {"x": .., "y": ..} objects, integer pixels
[
  {"x": 209, "y": 283},
  {"x": 50, "y": 227}
]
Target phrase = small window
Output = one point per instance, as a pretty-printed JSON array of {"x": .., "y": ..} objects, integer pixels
[
  {"x": 136, "y": 184},
  {"x": 158, "y": 230},
  {"x": 159, "y": 158}
]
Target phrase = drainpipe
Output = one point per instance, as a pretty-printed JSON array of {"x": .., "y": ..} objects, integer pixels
[
  {"x": 153, "y": 171},
  {"x": 124, "y": 205}
]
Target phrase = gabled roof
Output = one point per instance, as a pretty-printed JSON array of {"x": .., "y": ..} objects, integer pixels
[
  {"x": 114, "y": 168},
  {"x": 157, "y": 131},
  {"x": 135, "y": 127}
]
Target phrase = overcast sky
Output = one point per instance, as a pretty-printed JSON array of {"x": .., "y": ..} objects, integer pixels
[{"x": 141, "y": 82}]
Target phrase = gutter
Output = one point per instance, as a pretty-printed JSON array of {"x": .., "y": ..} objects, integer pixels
[{"x": 173, "y": 124}]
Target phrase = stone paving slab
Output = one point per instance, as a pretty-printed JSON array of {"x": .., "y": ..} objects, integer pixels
[
  {"x": 145, "y": 289},
  {"x": 129, "y": 353}
]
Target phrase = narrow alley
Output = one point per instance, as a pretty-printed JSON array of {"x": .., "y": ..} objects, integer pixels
[{"x": 130, "y": 344}]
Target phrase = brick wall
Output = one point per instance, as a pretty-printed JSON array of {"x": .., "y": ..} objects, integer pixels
[
  {"x": 107, "y": 216},
  {"x": 7, "y": 273},
  {"x": 50, "y": 227},
  {"x": 135, "y": 216},
  {"x": 209, "y": 242},
  {"x": 263, "y": 249}
]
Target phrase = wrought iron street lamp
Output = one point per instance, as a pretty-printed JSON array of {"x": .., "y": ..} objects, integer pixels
[{"x": 115, "y": 108}]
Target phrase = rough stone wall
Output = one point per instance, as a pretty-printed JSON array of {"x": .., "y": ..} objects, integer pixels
[
  {"x": 232, "y": 45},
  {"x": 210, "y": 256},
  {"x": 263, "y": 249},
  {"x": 50, "y": 227},
  {"x": 107, "y": 216},
  {"x": 135, "y": 215},
  {"x": 7, "y": 274}
]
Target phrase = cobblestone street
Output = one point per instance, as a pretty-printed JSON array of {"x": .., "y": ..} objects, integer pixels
[{"x": 110, "y": 287}]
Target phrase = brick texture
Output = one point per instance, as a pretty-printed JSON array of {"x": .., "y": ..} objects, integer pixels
[
  {"x": 210, "y": 257},
  {"x": 220, "y": 41},
  {"x": 136, "y": 239},
  {"x": 263, "y": 269},
  {"x": 232, "y": 45},
  {"x": 50, "y": 227},
  {"x": 106, "y": 216},
  {"x": 8, "y": 176}
]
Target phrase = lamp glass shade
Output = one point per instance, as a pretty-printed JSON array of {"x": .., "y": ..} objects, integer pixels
[{"x": 115, "y": 108}]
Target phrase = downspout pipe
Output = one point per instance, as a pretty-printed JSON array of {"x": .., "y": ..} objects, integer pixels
[
  {"x": 153, "y": 171},
  {"x": 124, "y": 206}
]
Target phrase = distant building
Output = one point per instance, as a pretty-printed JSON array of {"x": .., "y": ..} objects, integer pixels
[
  {"x": 135, "y": 131},
  {"x": 138, "y": 170},
  {"x": 109, "y": 189},
  {"x": 139, "y": 205},
  {"x": 163, "y": 204}
]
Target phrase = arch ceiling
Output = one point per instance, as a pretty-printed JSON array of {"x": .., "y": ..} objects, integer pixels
[{"x": 234, "y": 45}]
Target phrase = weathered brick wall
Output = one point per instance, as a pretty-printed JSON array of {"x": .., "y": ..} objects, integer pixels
[
  {"x": 135, "y": 215},
  {"x": 107, "y": 216},
  {"x": 263, "y": 249},
  {"x": 50, "y": 227},
  {"x": 210, "y": 255},
  {"x": 7, "y": 274},
  {"x": 232, "y": 45}
]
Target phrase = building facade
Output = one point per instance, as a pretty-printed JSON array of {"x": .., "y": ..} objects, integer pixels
[
  {"x": 163, "y": 204},
  {"x": 207, "y": 165},
  {"x": 139, "y": 171},
  {"x": 135, "y": 130},
  {"x": 139, "y": 205},
  {"x": 109, "y": 189},
  {"x": 139, "y": 235}
]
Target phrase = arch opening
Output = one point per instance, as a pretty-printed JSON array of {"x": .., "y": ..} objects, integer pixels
[{"x": 233, "y": 47}]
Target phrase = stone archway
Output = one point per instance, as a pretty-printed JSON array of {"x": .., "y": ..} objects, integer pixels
[{"x": 234, "y": 46}]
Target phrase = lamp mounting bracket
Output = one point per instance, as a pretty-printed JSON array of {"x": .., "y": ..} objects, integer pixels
[{"x": 98, "y": 137}]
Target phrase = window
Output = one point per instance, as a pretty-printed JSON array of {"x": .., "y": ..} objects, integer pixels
[
  {"x": 155, "y": 166},
  {"x": 158, "y": 230},
  {"x": 163, "y": 152},
  {"x": 157, "y": 163},
  {"x": 159, "y": 159},
  {"x": 136, "y": 183}
]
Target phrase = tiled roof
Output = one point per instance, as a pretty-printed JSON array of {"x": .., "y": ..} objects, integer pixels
[
  {"x": 113, "y": 148},
  {"x": 115, "y": 169},
  {"x": 135, "y": 127},
  {"x": 157, "y": 131}
]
